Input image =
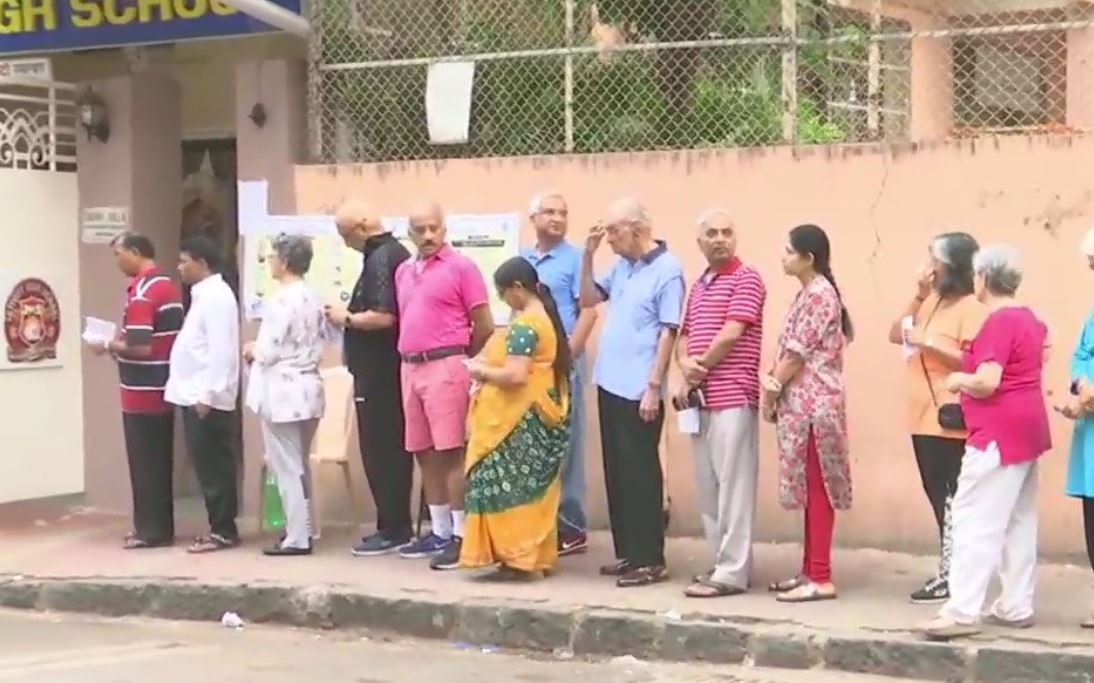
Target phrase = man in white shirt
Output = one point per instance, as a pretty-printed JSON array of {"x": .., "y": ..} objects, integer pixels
[{"x": 204, "y": 382}]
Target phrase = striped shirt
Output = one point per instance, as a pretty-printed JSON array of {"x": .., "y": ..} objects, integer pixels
[
  {"x": 736, "y": 292},
  {"x": 153, "y": 317}
]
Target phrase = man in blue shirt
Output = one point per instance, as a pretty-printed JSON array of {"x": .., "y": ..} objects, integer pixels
[
  {"x": 559, "y": 266},
  {"x": 644, "y": 291}
]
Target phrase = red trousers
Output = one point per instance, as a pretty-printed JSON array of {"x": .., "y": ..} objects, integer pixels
[{"x": 820, "y": 519}]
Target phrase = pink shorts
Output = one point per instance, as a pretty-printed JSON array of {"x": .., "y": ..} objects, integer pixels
[{"x": 435, "y": 402}]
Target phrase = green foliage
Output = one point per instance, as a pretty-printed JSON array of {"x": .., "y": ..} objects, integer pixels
[{"x": 722, "y": 97}]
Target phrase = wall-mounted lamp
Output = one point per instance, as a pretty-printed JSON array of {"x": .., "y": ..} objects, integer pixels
[
  {"x": 258, "y": 115},
  {"x": 93, "y": 115}
]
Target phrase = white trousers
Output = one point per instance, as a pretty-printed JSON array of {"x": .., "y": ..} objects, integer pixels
[
  {"x": 994, "y": 531},
  {"x": 288, "y": 445},
  {"x": 726, "y": 453}
]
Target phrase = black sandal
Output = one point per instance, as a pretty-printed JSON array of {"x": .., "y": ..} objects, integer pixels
[
  {"x": 706, "y": 588},
  {"x": 135, "y": 542},
  {"x": 787, "y": 585}
]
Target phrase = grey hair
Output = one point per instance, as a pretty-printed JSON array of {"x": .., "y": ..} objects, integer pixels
[
  {"x": 634, "y": 211},
  {"x": 295, "y": 251},
  {"x": 1001, "y": 267},
  {"x": 537, "y": 202},
  {"x": 708, "y": 217}
]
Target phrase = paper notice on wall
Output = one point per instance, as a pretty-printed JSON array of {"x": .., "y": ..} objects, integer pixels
[
  {"x": 448, "y": 101},
  {"x": 101, "y": 224},
  {"x": 251, "y": 202}
]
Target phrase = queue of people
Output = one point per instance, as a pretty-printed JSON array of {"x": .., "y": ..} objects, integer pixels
[{"x": 494, "y": 416}]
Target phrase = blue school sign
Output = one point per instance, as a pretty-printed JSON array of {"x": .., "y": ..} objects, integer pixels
[{"x": 55, "y": 25}]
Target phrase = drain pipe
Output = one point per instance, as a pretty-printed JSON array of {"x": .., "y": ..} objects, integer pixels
[{"x": 274, "y": 15}]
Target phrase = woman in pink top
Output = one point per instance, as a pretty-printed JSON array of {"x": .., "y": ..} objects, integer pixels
[{"x": 995, "y": 508}]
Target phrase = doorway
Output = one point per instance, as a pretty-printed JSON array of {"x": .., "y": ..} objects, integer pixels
[{"x": 209, "y": 195}]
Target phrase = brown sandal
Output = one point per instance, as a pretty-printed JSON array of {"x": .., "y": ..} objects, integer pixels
[
  {"x": 135, "y": 542},
  {"x": 211, "y": 544},
  {"x": 807, "y": 592},
  {"x": 706, "y": 588},
  {"x": 1088, "y": 624},
  {"x": 787, "y": 585}
]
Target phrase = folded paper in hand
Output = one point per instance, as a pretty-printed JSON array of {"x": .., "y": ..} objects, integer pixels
[{"x": 97, "y": 331}]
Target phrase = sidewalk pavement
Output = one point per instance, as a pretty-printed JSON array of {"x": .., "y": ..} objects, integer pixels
[{"x": 72, "y": 560}]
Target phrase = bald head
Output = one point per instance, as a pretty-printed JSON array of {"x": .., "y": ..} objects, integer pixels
[
  {"x": 630, "y": 211},
  {"x": 717, "y": 237},
  {"x": 356, "y": 222},
  {"x": 427, "y": 229}
]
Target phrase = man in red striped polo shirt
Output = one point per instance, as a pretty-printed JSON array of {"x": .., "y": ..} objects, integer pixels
[
  {"x": 152, "y": 319},
  {"x": 719, "y": 355}
]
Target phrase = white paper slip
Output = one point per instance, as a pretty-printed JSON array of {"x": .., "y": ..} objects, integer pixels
[
  {"x": 98, "y": 331},
  {"x": 906, "y": 326},
  {"x": 687, "y": 421}
]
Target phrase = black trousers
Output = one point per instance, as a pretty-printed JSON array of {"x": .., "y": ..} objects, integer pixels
[
  {"x": 1088, "y": 523},
  {"x": 939, "y": 461},
  {"x": 209, "y": 440},
  {"x": 389, "y": 469},
  {"x": 632, "y": 475},
  {"x": 150, "y": 449}
]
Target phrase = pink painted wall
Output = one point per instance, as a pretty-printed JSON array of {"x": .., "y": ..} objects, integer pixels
[{"x": 880, "y": 209}]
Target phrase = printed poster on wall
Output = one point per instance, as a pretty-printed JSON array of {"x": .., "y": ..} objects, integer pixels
[
  {"x": 32, "y": 322},
  {"x": 488, "y": 239}
]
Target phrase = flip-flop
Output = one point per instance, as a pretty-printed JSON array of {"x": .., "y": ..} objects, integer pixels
[
  {"x": 134, "y": 542},
  {"x": 706, "y": 588},
  {"x": 807, "y": 592},
  {"x": 787, "y": 585},
  {"x": 1088, "y": 624}
]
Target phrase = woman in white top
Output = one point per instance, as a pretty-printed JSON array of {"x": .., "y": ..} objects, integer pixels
[{"x": 285, "y": 387}]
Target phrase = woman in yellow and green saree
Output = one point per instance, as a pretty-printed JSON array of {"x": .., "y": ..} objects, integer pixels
[{"x": 519, "y": 424}]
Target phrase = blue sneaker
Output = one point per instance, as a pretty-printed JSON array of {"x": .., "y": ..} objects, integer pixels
[
  {"x": 427, "y": 546},
  {"x": 376, "y": 544}
]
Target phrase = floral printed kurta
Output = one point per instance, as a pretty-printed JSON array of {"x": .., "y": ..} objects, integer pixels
[
  {"x": 815, "y": 398},
  {"x": 285, "y": 385}
]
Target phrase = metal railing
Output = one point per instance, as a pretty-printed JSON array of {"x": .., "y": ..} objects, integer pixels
[
  {"x": 561, "y": 76},
  {"x": 37, "y": 125}
]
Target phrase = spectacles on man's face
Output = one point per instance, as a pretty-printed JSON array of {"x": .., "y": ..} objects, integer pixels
[{"x": 613, "y": 229}]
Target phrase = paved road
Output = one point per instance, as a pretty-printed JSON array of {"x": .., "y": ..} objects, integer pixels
[{"x": 51, "y": 648}]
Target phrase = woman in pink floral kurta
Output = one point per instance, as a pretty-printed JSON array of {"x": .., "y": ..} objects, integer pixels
[{"x": 805, "y": 396}]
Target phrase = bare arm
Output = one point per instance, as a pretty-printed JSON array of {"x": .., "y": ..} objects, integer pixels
[
  {"x": 980, "y": 384},
  {"x": 513, "y": 374},
  {"x": 370, "y": 320},
  {"x": 664, "y": 355},
  {"x": 121, "y": 349},
  {"x": 591, "y": 296},
  {"x": 586, "y": 320},
  {"x": 723, "y": 343},
  {"x": 482, "y": 328}
]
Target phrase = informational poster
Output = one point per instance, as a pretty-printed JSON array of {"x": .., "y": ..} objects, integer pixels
[{"x": 488, "y": 239}]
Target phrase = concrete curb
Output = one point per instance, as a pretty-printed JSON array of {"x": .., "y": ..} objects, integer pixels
[{"x": 582, "y": 632}]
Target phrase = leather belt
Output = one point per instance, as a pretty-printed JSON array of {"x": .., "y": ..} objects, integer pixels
[{"x": 434, "y": 354}]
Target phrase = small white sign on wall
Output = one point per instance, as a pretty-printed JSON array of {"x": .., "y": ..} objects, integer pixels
[
  {"x": 32, "y": 69},
  {"x": 101, "y": 224}
]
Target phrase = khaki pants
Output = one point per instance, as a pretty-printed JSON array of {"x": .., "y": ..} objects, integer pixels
[{"x": 726, "y": 452}]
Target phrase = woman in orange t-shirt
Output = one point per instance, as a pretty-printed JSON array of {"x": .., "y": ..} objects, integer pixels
[{"x": 934, "y": 327}]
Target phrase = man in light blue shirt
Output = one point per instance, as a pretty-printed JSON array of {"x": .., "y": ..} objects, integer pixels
[
  {"x": 644, "y": 291},
  {"x": 558, "y": 264}
]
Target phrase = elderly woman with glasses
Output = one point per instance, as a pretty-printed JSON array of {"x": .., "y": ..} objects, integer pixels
[
  {"x": 285, "y": 389},
  {"x": 995, "y": 507}
]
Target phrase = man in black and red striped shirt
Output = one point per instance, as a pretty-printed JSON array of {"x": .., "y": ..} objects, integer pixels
[
  {"x": 719, "y": 356},
  {"x": 152, "y": 319}
]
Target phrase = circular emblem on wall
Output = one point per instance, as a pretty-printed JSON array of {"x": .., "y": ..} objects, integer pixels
[{"x": 32, "y": 322}]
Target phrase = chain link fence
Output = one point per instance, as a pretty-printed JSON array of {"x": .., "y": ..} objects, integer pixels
[{"x": 561, "y": 76}]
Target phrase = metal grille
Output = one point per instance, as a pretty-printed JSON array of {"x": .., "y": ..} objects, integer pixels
[
  {"x": 559, "y": 76},
  {"x": 37, "y": 125}
]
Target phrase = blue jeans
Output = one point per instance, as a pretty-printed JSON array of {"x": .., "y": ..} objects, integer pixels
[{"x": 571, "y": 512}]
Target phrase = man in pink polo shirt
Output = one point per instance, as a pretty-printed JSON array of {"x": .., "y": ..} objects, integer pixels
[{"x": 444, "y": 316}]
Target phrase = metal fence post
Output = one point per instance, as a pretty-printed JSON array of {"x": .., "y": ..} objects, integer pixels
[
  {"x": 568, "y": 97},
  {"x": 315, "y": 85},
  {"x": 790, "y": 70}
]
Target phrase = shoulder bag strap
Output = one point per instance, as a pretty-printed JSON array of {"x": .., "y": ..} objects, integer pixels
[{"x": 923, "y": 362}]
